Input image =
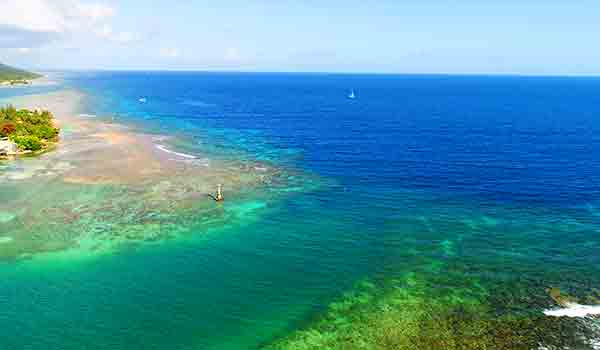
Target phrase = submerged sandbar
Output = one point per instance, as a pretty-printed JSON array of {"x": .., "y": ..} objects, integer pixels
[{"x": 107, "y": 184}]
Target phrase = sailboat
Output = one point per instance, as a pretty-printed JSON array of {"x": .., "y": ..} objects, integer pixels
[
  {"x": 143, "y": 100},
  {"x": 352, "y": 96}
]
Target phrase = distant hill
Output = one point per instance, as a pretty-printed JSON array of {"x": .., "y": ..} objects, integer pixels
[{"x": 8, "y": 73}]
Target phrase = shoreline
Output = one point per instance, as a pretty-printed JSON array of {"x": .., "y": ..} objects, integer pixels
[
  {"x": 109, "y": 147},
  {"x": 108, "y": 185},
  {"x": 14, "y": 84}
]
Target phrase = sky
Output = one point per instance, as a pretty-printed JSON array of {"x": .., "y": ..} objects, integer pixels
[{"x": 538, "y": 37}]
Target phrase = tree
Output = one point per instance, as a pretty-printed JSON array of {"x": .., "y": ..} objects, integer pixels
[{"x": 7, "y": 128}]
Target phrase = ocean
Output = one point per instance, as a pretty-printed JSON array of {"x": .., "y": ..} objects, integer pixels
[{"x": 479, "y": 192}]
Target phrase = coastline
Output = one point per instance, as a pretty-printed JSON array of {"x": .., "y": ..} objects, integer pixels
[
  {"x": 104, "y": 174},
  {"x": 102, "y": 151},
  {"x": 41, "y": 81}
]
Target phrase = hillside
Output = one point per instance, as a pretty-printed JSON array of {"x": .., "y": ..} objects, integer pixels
[{"x": 8, "y": 73}]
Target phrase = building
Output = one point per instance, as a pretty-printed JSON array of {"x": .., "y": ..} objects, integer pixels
[{"x": 8, "y": 147}]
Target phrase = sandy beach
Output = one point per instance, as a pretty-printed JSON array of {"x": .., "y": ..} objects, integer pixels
[{"x": 42, "y": 81}]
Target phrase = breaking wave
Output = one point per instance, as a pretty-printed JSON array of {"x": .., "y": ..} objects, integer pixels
[{"x": 184, "y": 155}]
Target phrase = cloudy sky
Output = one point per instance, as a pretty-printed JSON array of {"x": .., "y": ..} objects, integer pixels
[{"x": 425, "y": 36}]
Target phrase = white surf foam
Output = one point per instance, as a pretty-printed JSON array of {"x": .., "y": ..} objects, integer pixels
[
  {"x": 184, "y": 155},
  {"x": 574, "y": 310}
]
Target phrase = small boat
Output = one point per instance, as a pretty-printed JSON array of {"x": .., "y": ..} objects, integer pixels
[
  {"x": 142, "y": 100},
  {"x": 219, "y": 196},
  {"x": 352, "y": 96}
]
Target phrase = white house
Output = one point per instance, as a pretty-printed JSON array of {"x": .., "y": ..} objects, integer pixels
[{"x": 8, "y": 147}]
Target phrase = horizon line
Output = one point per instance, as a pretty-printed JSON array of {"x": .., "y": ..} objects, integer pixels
[{"x": 227, "y": 71}]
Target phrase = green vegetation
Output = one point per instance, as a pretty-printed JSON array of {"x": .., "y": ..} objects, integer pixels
[
  {"x": 14, "y": 75},
  {"x": 412, "y": 313},
  {"x": 30, "y": 130}
]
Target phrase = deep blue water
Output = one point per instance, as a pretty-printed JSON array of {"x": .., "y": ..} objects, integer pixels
[
  {"x": 505, "y": 169},
  {"x": 514, "y": 139}
]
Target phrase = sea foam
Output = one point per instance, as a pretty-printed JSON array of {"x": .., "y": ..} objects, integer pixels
[
  {"x": 574, "y": 310},
  {"x": 184, "y": 155}
]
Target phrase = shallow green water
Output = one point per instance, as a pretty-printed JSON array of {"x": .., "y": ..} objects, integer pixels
[{"x": 223, "y": 287}]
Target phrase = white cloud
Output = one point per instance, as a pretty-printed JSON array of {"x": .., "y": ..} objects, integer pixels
[
  {"x": 31, "y": 15},
  {"x": 106, "y": 32},
  {"x": 96, "y": 12},
  {"x": 18, "y": 51},
  {"x": 23, "y": 50},
  {"x": 26, "y": 23},
  {"x": 52, "y": 15},
  {"x": 169, "y": 52}
]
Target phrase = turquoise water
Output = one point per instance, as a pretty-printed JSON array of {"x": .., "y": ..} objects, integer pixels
[
  {"x": 483, "y": 187},
  {"x": 226, "y": 288}
]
